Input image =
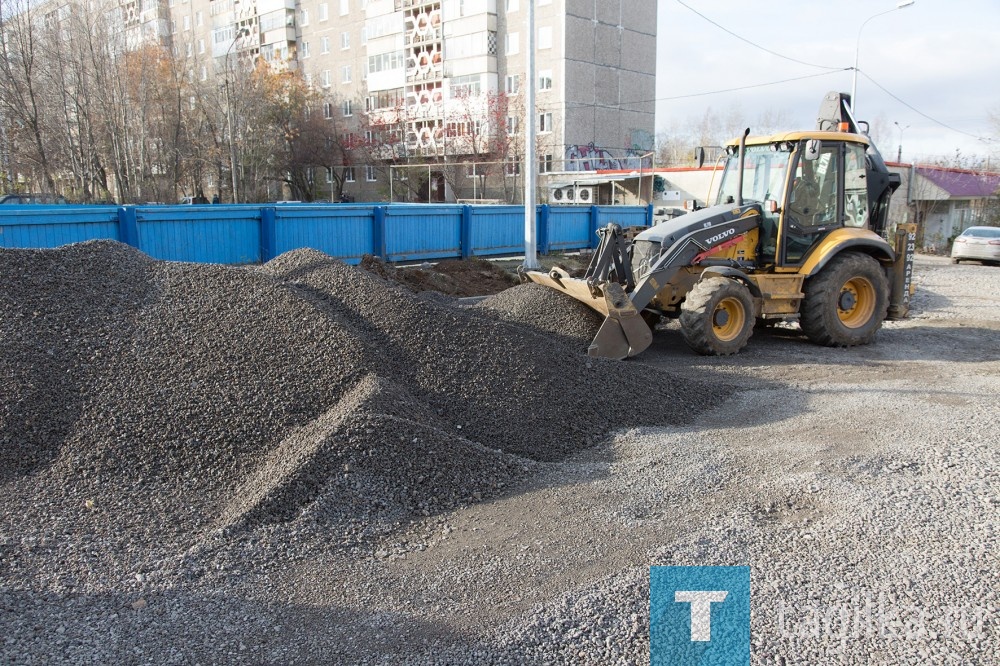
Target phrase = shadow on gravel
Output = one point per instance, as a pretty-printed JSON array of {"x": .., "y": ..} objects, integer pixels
[
  {"x": 179, "y": 627},
  {"x": 788, "y": 346}
]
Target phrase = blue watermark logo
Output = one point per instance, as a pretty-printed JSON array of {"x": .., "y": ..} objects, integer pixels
[{"x": 699, "y": 616}]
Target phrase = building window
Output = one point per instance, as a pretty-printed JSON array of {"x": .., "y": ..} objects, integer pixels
[
  {"x": 345, "y": 7},
  {"x": 346, "y": 108},
  {"x": 325, "y": 79},
  {"x": 370, "y": 174},
  {"x": 204, "y": 73},
  {"x": 545, "y": 37},
  {"x": 545, "y": 79},
  {"x": 511, "y": 125},
  {"x": 190, "y": 49},
  {"x": 198, "y": 21},
  {"x": 545, "y": 163},
  {"x": 544, "y": 122},
  {"x": 345, "y": 74},
  {"x": 309, "y": 84},
  {"x": 511, "y": 5},
  {"x": 513, "y": 81},
  {"x": 349, "y": 175},
  {"x": 325, "y": 45},
  {"x": 511, "y": 45},
  {"x": 513, "y": 166},
  {"x": 345, "y": 40},
  {"x": 327, "y": 110},
  {"x": 304, "y": 17},
  {"x": 304, "y": 50},
  {"x": 187, "y": 22},
  {"x": 324, "y": 11},
  {"x": 478, "y": 169},
  {"x": 469, "y": 85}
]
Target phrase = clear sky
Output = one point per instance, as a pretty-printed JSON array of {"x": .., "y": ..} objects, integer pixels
[{"x": 940, "y": 57}]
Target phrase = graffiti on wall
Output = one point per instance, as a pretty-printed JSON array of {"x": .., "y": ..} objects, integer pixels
[{"x": 591, "y": 157}]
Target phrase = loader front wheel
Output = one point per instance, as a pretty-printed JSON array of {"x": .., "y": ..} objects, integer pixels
[
  {"x": 846, "y": 303},
  {"x": 717, "y": 317}
]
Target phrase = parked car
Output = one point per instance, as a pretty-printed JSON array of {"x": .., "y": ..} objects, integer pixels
[
  {"x": 982, "y": 243},
  {"x": 22, "y": 198}
]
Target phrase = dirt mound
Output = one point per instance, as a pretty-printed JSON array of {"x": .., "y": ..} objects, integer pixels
[{"x": 453, "y": 277}]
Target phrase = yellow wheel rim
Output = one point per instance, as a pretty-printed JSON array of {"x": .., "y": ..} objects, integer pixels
[
  {"x": 856, "y": 303},
  {"x": 728, "y": 319}
]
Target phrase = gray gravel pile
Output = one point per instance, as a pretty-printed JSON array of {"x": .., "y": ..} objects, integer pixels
[
  {"x": 150, "y": 405},
  {"x": 528, "y": 395},
  {"x": 546, "y": 310}
]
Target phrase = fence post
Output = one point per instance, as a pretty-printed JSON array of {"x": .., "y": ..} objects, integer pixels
[
  {"x": 595, "y": 218},
  {"x": 465, "y": 232},
  {"x": 378, "y": 231},
  {"x": 268, "y": 234},
  {"x": 543, "y": 228},
  {"x": 128, "y": 226}
]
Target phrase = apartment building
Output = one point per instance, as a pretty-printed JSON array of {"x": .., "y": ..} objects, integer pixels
[{"x": 425, "y": 80}]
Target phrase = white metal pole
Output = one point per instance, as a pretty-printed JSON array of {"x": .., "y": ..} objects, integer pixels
[{"x": 530, "y": 236}]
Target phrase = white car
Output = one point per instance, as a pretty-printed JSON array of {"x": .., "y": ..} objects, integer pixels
[{"x": 982, "y": 243}]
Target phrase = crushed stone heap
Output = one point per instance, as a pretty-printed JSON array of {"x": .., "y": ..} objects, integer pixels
[{"x": 173, "y": 400}]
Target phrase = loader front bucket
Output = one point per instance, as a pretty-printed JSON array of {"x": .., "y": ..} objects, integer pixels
[{"x": 624, "y": 333}]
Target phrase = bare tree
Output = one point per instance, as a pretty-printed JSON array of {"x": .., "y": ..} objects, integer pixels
[{"x": 22, "y": 88}]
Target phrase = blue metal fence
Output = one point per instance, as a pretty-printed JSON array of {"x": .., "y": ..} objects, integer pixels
[{"x": 242, "y": 234}]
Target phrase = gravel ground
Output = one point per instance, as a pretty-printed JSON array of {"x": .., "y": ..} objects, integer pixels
[{"x": 216, "y": 465}]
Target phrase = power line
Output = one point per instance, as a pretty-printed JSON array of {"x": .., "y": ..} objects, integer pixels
[
  {"x": 754, "y": 44},
  {"x": 922, "y": 114},
  {"x": 699, "y": 94}
]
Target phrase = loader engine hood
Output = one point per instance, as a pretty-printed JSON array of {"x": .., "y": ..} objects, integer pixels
[{"x": 706, "y": 228}]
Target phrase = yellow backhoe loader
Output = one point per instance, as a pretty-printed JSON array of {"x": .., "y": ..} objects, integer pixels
[{"x": 797, "y": 234}]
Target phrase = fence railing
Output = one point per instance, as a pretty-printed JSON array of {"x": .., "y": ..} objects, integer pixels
[{"x": 246, "y": 234}]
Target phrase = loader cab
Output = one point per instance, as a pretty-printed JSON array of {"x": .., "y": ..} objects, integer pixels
[
  {"x": 808, "y": 184},
  {"x": 827, "y": 190}
]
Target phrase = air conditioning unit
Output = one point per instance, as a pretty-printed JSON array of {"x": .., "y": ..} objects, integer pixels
[{"x": 570, "y": 194}]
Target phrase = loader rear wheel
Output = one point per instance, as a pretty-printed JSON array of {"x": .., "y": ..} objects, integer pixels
[
  {"x": 846, "y": 303},
  {"x": 717, "y": 317}
]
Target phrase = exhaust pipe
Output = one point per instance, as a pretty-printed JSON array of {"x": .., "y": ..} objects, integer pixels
[{"x": 739, "y": 180}]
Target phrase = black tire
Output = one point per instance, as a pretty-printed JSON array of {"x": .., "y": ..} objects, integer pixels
[
  {"x": 846, "y": 303},
  {"x": 717, "y": 317}
]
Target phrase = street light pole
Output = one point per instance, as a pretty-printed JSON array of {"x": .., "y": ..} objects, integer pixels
[
  {"x": 901, "y": 4},
  {"x": 229, "y": 111},
  {"x": 899, "y": 153},
  {"x": 530, "y": 232}
]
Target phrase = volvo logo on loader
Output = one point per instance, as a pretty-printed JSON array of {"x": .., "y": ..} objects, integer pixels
[{"x": 718, "y": 237}]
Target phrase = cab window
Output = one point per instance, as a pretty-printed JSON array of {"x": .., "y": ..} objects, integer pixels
[
  {"x": 855, "y": 187},
  {"x": 811, "y": 203}
]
